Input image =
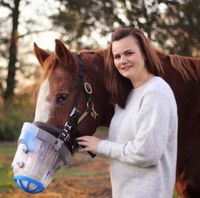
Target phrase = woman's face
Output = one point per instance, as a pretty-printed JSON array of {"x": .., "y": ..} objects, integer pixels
[{"x": 129, "y": 60}]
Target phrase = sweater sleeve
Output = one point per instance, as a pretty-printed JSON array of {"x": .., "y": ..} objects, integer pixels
[{"x": 151, "y": 139}]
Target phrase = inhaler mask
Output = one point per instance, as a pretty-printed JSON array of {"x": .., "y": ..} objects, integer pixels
[{"x": 36, "y": 159}]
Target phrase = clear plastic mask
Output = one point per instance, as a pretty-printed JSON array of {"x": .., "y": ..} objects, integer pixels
[{"x": 36, "y": 159}]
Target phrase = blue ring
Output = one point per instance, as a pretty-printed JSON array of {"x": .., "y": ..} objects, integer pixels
[{"x": 26, "y": 187}]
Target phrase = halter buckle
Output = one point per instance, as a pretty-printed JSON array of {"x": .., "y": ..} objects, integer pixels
[
  {"x": 88, "y": 88},
  {"x": 94, "y": 114}
]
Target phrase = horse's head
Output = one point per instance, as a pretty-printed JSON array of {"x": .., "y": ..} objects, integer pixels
[
  {"x": 63, "y": 86},
  {"x": 71, "y": 101}
]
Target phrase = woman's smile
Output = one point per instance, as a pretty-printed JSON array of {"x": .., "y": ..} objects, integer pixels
[{"x": 126, "y": 67}]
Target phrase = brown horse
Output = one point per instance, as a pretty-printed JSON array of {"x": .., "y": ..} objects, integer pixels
[{"x": 58, "y": 91}]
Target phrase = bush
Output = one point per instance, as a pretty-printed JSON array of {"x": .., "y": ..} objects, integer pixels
[{"x": 18, "y": 112}]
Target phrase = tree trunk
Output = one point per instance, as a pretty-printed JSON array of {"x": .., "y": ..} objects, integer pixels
[{"x": 10, "y": 82}]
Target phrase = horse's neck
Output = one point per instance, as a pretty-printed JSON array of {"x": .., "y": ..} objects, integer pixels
[{"x": 94, "y": 71}]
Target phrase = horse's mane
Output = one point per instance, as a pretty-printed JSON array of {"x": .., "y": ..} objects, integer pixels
[
  {"x": 97, "y": 55},
  {"x": 188, "y": 67},
  {"x": 102, "y": 52}
]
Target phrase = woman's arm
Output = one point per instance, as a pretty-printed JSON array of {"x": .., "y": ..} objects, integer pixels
[{"x": 151, "y": 140}]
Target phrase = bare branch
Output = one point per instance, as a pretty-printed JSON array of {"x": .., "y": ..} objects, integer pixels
[
  {"x": 3, "y": 54},
  {"x": 4, "y": 40},
  {"x": 34, "y": 32},
  {"x": 7, "y": 5}
]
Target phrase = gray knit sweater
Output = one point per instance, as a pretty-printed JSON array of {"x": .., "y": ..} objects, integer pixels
[{"x": 142, "y": 143}]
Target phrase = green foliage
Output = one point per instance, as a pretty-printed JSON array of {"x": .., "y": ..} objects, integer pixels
[
  {"x": 7, "y": 151},
  {"x": 78, "y": 18},
  {"x": 173, "y": 25},
  {"x": 178, "y": 27},
  {"x": 6, "y": 181},
  {"x": 12, "y": 119}
]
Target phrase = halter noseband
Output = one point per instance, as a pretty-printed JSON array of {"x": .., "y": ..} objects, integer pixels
[{"x": 68, "y": 134}]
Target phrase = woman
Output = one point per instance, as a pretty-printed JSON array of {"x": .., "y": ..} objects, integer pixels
[{"x": 142, "y": 143}]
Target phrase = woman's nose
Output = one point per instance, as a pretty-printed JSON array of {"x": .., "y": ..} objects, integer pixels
[{"x": 123, "y": 60}]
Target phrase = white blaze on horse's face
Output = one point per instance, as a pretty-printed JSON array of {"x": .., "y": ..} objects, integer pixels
[{"x": 43, "y": 105}]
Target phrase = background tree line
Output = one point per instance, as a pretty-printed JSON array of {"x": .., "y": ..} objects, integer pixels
[{"x": 171, "y": 25}]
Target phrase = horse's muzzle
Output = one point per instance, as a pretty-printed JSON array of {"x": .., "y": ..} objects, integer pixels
[{"x": 36, "y": 159}]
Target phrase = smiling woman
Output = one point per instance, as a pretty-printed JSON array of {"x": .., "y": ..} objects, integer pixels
[
  {"x": 132, "y": 50},
  {"x": 142, "y": 143}
]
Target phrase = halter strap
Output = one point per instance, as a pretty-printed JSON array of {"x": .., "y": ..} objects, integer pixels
[{"x": 80, "y": 78}]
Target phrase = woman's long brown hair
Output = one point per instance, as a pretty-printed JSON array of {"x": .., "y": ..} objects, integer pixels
[{"x": 118, "y": 86}]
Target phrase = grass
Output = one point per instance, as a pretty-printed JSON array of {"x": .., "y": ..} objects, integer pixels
[
  {"x": 6, "y": 181},
  {"x": 75, "y": 172},
  {"x": 7, "y": 151},
  {"x": 176, "y": 195}
]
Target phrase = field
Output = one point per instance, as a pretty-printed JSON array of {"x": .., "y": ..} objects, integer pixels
[{"x": 84, "y": 178}]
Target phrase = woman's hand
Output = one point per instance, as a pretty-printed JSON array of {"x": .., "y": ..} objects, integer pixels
[{"x": 90, "y": 143}]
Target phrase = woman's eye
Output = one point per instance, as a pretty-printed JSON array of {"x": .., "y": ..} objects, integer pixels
[
  {"x": 129, "y": 53},
  {"x": 116, "y": 57},
  {"x": 61, "y": 98}
]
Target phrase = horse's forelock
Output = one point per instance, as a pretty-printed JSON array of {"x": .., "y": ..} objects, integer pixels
[{"x": 49, "y": 66}]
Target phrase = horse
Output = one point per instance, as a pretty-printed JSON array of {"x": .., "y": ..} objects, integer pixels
[{"x": 77, "y": 81}]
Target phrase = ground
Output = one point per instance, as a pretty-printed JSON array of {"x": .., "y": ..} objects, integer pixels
[{"x": 84, "y": 178}]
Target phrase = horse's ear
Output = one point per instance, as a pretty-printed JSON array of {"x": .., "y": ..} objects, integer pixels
[
  {"x": 40, "y": 54},
  {"x": 63, "y": 54}
]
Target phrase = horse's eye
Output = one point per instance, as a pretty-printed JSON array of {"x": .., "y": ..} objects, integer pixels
[{"x": 61, "y": 98}]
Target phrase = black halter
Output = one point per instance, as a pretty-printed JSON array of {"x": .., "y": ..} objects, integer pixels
[{"x": 68, "y": 134}]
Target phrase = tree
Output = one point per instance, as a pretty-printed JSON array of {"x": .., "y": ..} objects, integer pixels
[
  {"x": 175, "y": 25},
  {"x": 80, "y": 18},
  {"x": 181, "y": 27},
  {"x": 16, "y": 59},
  {"x": 167, "y": 23},
  {"x": 10, "y": 82}
]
